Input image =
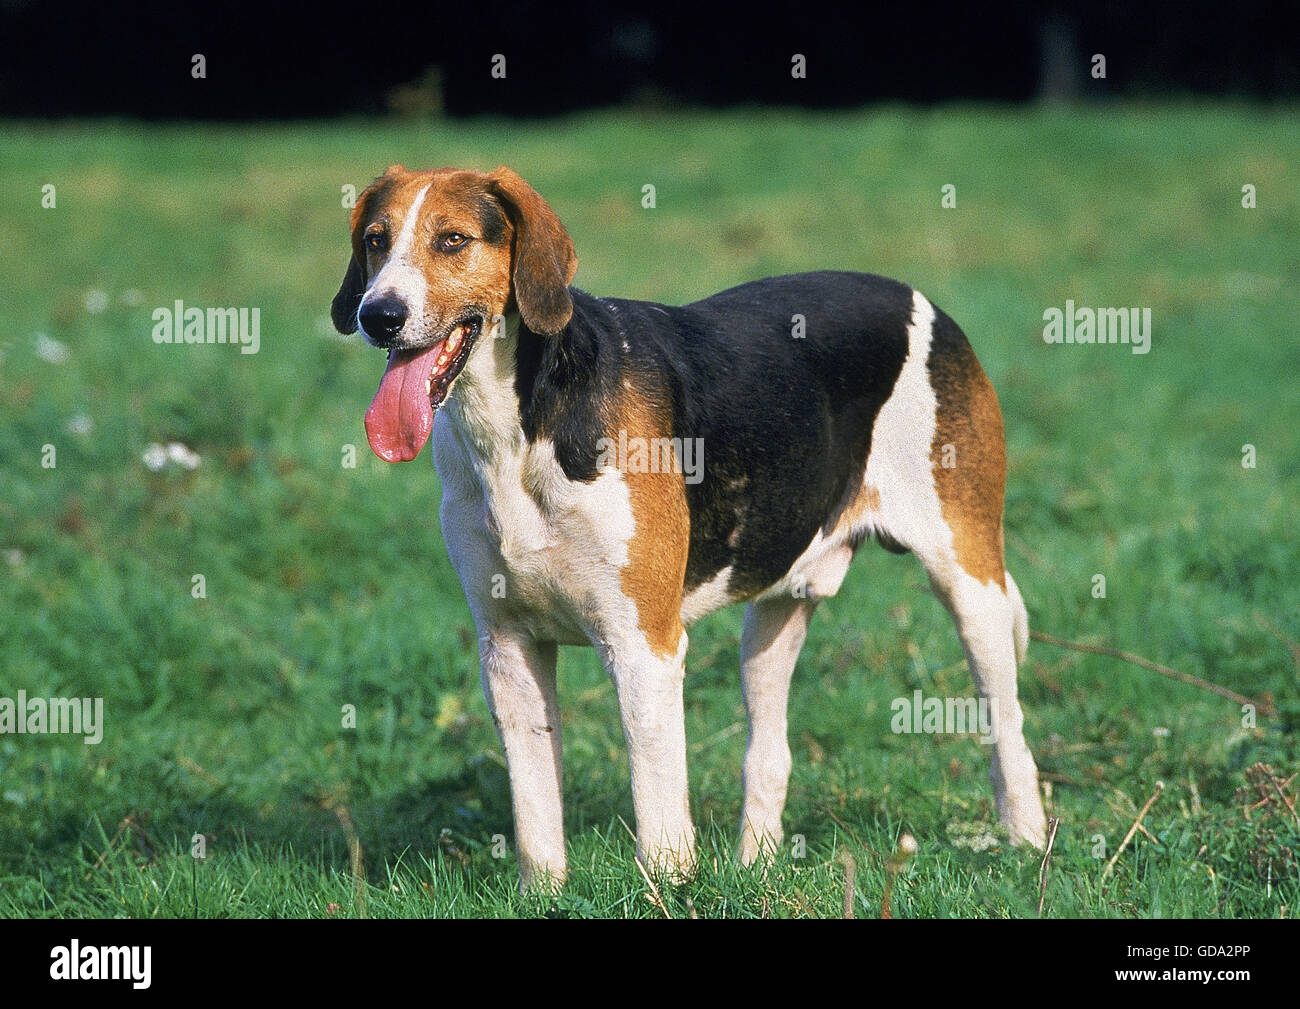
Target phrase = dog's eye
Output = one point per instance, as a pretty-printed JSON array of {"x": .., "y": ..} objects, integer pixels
[
  {"x": 452, "y": 241},
  {"x": 376, "y": 241}
]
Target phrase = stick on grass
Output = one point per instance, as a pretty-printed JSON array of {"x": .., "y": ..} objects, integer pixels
[
  {"x": 356, "y": 859},
  {"x": 1264, "y": 706},
  {"x": 850, "y": 870},
  {"x": 1160, "y": 787},
  {"x": 1052, "y": 823},
  {"x": 654, "y": 895}
]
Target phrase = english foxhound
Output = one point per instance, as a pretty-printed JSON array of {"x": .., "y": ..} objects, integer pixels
[{"x": 830, "y": 408}]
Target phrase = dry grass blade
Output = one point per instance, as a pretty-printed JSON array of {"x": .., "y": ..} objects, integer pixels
[
  {"x": 189, "y": 764},
  {"x": 355, "y": 859},
  {"x": 1270, "y": 787},
  {"x": 850, "y": 872},
  {"x": 1114, "y": 808},
  {"x": 1292, "y": 646},
  {"x": 1264, "y": 706},
  {"x": 122, "y": 827},
  {"x": 848, "y": 830},
  {"x": 654, "y": 896},
  {"x": 1286, "y": 800},
  {"x": 907, "y": 847},
  {"x": 1160, "y": 787},
  {"x": 133, "y": 826},
  {"x": 1052, "y": 823}
]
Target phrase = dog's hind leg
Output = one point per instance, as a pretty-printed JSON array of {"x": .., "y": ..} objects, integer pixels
[
  {"x": 938, "y": 457},
  {"x": 987, "y": 623},
  {"x": 773, "y": 635}
]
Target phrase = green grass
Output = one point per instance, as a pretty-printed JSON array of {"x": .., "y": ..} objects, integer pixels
[{"x": 329, "y": 586}]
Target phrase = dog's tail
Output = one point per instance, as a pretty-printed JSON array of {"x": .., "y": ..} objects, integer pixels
[{"x": 1019, "y": 619}]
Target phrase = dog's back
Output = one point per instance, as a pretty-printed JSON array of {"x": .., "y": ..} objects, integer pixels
[{"x": 773, "y": 389}]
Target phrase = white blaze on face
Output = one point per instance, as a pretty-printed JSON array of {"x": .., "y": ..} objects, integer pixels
[{"x": 398, "y": 277}]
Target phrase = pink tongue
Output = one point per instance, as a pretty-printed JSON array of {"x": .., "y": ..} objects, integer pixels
[{"x": 400, "y": 416}]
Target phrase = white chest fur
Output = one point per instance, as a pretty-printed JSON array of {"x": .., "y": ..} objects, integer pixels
[{"x": 533, "y": 549}]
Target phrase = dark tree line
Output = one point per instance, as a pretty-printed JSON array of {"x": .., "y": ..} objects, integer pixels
[{"x": 514, "y": 57}]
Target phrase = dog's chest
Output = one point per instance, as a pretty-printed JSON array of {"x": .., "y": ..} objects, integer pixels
[{"x": 531, "y": 546}]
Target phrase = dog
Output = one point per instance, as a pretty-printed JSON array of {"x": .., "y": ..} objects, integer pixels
[{"x": 831, "y": 408}]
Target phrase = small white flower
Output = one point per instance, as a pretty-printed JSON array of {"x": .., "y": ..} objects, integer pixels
[
  {"x": 51, "y": 350},
  {"x": 80, "y": 424},
  {"x": 1160, "y": 732},
  {"x": 133, "y": 297},
  {"x": 15, "y": 557},
  {"x": 179, "y": 453},
  {"x": 96, "y": 301},
  {"x": 155, "y": 457}
]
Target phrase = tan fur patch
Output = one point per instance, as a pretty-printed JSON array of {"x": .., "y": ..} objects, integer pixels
[
  {"x": 477, "y": 276},
  {"x": 860, "y": 505},
  {"x": 972, "y": 485},
  {"x": 544, "y": 262},
  {"x": 656, "y": 567}
]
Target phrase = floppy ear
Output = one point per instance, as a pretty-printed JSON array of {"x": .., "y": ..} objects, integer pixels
[
  {"x": 544, "y": 261},
  {"x": 344, "y": 308}
]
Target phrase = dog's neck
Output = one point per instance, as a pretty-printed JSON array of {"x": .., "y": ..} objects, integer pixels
[
  {"x": 484, "y": 403},
  {"x": 521, "y": 390}
]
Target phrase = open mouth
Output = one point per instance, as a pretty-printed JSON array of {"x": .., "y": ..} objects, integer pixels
[
  {"x": 452, "y": 353},
  {"x": 414, "y": 385}
]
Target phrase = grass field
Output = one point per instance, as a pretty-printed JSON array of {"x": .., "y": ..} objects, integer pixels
[{"x": 328, "y": 585}]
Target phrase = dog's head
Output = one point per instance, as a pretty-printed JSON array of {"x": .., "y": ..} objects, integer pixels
[{"x": 436, "y": 256}]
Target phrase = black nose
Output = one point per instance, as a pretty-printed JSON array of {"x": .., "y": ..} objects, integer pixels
[{"x": 382, "y": 320}]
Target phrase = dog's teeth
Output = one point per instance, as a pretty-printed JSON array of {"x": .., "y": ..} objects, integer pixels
[{"x": 442, "y": 359}]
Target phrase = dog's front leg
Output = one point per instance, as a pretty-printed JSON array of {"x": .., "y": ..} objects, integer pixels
[
  {"x": 519, "y": 683},
  {"x": 650, "y": 705}
]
